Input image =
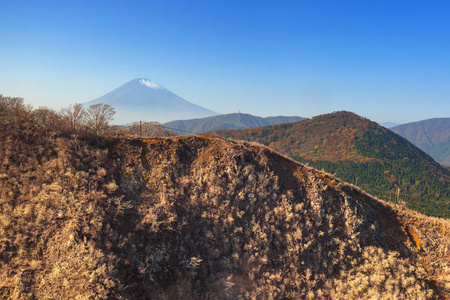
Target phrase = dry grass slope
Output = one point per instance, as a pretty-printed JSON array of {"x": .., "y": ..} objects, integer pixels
[{"x": 200, "y": 218}]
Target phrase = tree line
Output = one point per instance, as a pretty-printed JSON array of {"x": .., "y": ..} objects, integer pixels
[{"x": 75, "y": 119}]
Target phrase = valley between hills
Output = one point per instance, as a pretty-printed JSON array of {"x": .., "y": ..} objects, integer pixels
[{"x": 104, "y": 214}]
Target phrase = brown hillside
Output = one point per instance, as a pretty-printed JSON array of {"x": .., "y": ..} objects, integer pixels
[{"x": 200, "y": 218}]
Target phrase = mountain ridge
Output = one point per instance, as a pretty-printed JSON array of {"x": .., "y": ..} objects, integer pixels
[
  {"x": 227, "y": 121},
  {"x": 431, "y": 135}
]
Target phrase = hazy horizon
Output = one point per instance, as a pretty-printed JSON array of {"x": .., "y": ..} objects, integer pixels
[{"x": 387, "y": 61}]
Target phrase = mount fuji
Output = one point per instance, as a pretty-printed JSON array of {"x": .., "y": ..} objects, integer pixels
[{"x": 144, "y": 100}]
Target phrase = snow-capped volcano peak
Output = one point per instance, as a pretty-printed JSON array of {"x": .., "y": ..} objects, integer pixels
[
  {"x": 149, "y": 84},
  {"x": 144, "y": 100}
]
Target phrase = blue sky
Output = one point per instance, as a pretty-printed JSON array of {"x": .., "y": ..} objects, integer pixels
[{"x": 384, "y": 60}]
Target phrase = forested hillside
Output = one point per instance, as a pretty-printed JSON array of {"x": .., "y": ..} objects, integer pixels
[{"x": 361, "y": 152}]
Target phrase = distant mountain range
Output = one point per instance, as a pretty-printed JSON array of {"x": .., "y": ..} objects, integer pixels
[
  {"x": 143, "y": 100},
  {"x": 227, "y": 121},
  {"x": 432, "y": 136},
  {"x": 362, "y": 152}
]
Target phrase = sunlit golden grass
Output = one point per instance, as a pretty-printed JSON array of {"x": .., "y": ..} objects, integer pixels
[{"x": 199, "y": 217}]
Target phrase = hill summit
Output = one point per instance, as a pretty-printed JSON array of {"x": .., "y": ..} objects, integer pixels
[
  {"x": 360, "y": 151},
  {"x": 144, "y": 100}
]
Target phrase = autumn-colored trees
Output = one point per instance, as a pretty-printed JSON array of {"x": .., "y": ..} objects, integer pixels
[
  {"x": 95, "y": 118},
  {"x": 98, "y": 116},
  {"x": 75, "y": 115}
]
